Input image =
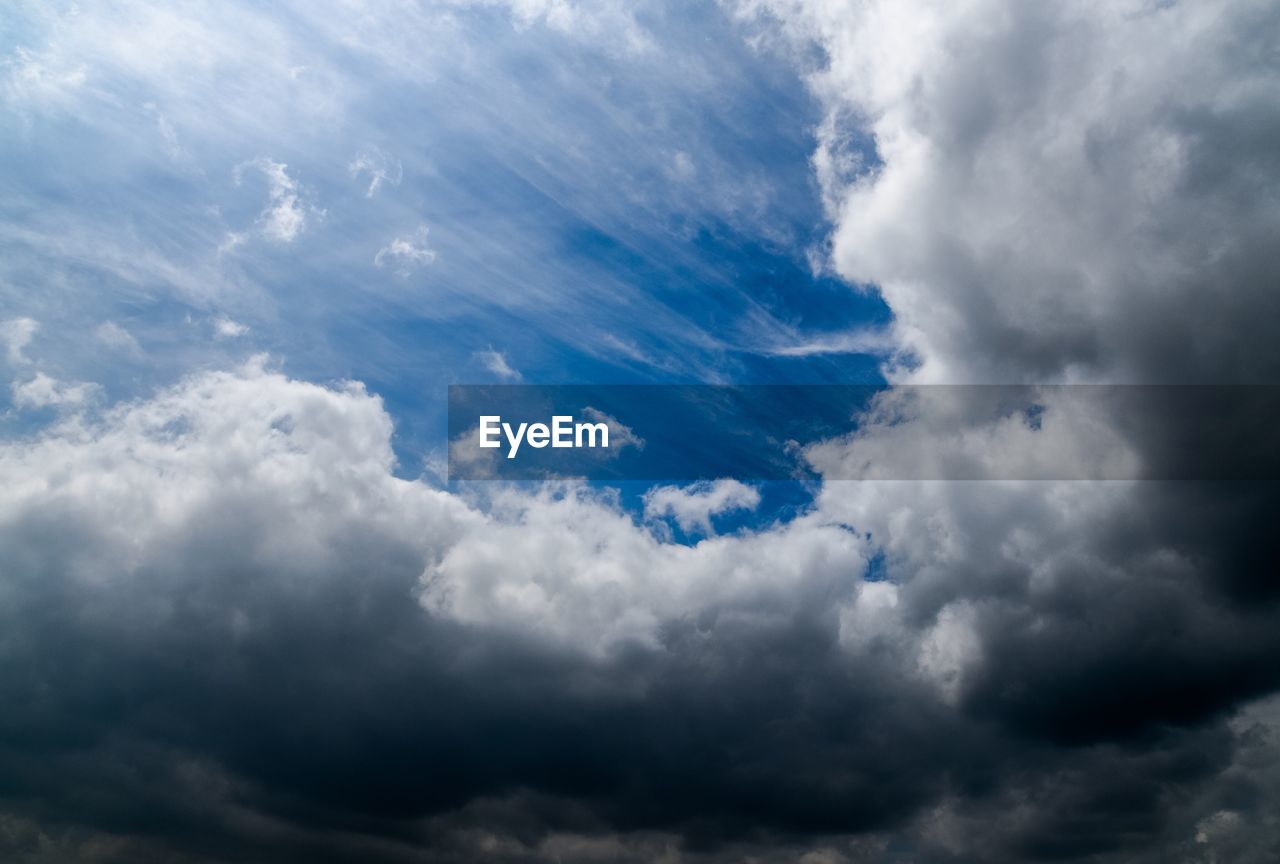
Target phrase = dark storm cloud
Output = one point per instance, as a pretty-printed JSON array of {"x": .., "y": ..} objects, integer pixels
[
  {"x": 224, "y": 659},
  {"x": 162, "y": 695}
]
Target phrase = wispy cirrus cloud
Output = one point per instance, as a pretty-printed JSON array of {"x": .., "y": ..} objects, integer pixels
[
  {"x": 112, "y": 335},
  {"x": 496, "y": 362},
  {"x": 406, "y": 254},
  {"x": 16, "y": 334},
  {"x": 378, "y": 167}
]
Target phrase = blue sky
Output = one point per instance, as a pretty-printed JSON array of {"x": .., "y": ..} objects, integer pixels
[{"x": 570, "y": 208}]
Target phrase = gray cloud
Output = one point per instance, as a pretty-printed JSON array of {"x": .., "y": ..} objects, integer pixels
[
  {"x": 217, "y": 648},
  {"x": 1063, "y": 192}
]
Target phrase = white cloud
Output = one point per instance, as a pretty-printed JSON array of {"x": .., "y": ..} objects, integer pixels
[
  {"x": 44, "y": 391},
  {"x": 569, "y": 565},
  {"x": 968, "y": 433},
  {"x": 605, "y": 22},
  {"x": 232, "y": 241},
  {"x": 285, "y": 216},
  {"x": 615, "y": 346},
  {"x": 496, "y": 362},
  {"x": 693, "y": 506},
  {"x": 306, "y": 462},
  {"x": 406, "y": 254},
  {"x": 620, "y": 434},
  {"x": 1066, "y": 191},
  {"x": 112, "y": 335},
  {"x": 870, "y": 617},
  {"x": 380, "y": 168},
  {"x": 188, "y": 59},
  {"x": 305, "y": 466},
  {"x": 16, "y": 335},
  {"x": 225, "y": 328},
  {"x": 862, "y": 341},
  {"x": 477, "y": 463},
  {"x": 168, "y": 135},
  {"x": 32, "y": 77},
  {"x": 950, "y": 647}
]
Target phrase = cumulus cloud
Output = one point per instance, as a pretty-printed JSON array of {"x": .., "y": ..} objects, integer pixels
[
  {"x": 226, "y": 328},
  {"x": 1049, "y": 194},
  {"x": 572, "y": 566},
  {"x": 693, "y": 506},
  {"x": 45, "y": 391},
  {"x": 993, "y": 433},
  {"x": 406, "y": 254},
  {"x": 292, "y": 484},
  {"x": 1064, "y": 192},
  {"x": 243, "y": 529}
]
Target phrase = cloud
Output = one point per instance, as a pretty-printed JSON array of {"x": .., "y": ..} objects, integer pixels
[
  {"x": 496, "y": 362},
  {"x": 312, "y": 77},
  {"x": 237, "y": 549},
  {"x": 406, "y": 254},
  {"x": 1054, "y": 193},
  {"x": 225, "y": 328},
  {"x": 112, "y": 335},
  {"x": 234, "y": 630},
  {"x": 611, "y": 23},
  {"x": 854, "y": 342},
  {"x": 570, "y": 566},
  {"x": 997, "y": 434},
  {"x": 33, "y": 77},
  {"x": 621, "y": 435},
  {"x": 44, "y": 391},
  {"x": 380, "y": 168},
  {"x": 693, "y": 506},
  {"x": 172, "y": 145},
  {"x": 16, "y": 335},
  {"x": 682, "y": 166},
  {"x": 293, "y": 485},
  {"x": 286, "y": 214}
]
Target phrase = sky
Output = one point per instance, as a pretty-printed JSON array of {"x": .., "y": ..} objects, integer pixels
[{"x": 245, "y": 249}]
